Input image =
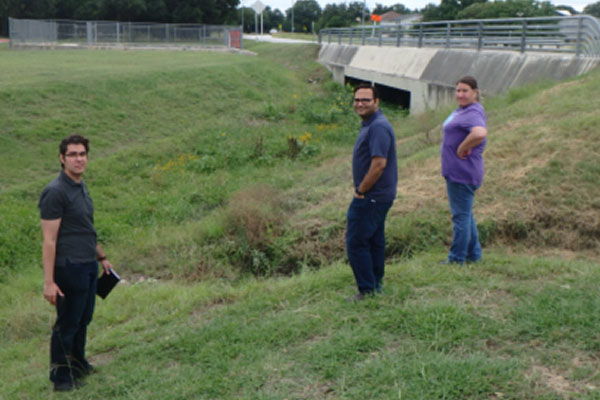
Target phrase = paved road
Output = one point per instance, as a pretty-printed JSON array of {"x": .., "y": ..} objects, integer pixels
[{"x": 269, "y": 38}]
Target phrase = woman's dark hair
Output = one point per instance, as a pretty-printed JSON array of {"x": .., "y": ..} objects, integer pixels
[
  {"x": 73, "y": 139},
  {"x": 468, "y": 80},
  {"x": 471, "y": 82}
]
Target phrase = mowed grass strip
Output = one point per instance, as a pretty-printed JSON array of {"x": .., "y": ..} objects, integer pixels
[{"x": 510, "y": 327}]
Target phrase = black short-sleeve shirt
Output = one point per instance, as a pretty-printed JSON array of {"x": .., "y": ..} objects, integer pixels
[{"x": 66, "y": 199}]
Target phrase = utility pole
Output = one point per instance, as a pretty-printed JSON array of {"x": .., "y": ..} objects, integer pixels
[
  {"x": 363, "y": 13},
  {"x": 242, "y": 8},
  {"x": 293, "y": 1}
]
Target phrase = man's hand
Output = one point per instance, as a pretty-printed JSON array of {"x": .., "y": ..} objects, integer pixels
[
  {"x": 51, "y": 291},
  {"x": 375, "y": 170},
  {"x": 106, "y": 265}
]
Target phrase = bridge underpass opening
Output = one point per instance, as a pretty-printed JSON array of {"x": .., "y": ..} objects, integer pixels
[{"x": 388, "y": 94}]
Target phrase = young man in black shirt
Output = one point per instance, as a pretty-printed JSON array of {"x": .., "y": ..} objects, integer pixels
[{"x": 70, "y": 256}]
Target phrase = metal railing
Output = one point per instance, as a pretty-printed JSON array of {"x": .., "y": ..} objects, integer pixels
[
  {"x": 91, "y": 33},
  {"x": 579, "y": 35}
]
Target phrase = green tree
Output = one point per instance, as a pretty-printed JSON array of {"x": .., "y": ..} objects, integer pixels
[
  {"x": 399, "y": 8},
  {"x": 342, "y": 15},
  {"x": 123, "y": 10},
  {"x": 354, "y": 12},
  {"x": 334, "y": 16},
  {"x": 273, "y": 18},
  {"x": 156, "y": 11},
  {"x": 214, "y": 12},
  {"x": 447, "y": 10},
  {"x": 508, "y": 9},
  {"x": 35, "y": 9},
  {"x": 305, "y": 13},
  {"x": 593, "y": 9}
]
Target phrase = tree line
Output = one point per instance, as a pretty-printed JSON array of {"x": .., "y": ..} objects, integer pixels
[
  {"x": 307, "y": 14},
  {"x": 214, "y": 12}
]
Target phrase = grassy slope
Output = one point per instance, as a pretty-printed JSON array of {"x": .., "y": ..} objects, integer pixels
[{"x": 513, "y": 327}]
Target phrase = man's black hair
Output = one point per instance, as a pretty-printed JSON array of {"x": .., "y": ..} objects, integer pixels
[
  {"x": 368, "y": 86},
  {"x": 73, "y": 139}
]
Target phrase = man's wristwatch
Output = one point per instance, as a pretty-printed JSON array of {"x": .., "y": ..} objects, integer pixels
[
  {"x": 358, "y": 192},
  {"x": 102, "y": 258}
]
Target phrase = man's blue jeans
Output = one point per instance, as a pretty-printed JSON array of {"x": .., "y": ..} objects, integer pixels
[
  {"x": 365, "y": 242},
  {"x": 73, "y": 314},
  {"x": 465, "y": 242}
]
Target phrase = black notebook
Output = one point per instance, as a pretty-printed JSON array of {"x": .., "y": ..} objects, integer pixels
[{"x": 106, "y": 283}]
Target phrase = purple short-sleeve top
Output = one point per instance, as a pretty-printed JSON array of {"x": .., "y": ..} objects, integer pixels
[{"x": 456, "y": 128}]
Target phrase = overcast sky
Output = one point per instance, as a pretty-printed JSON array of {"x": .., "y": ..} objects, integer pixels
[{"x": 412, "y": 4}]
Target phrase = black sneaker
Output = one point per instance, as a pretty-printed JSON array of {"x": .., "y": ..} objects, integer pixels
[
  {"x": 64, "y": 387},
  {"x": 89, "y": 370},
  {"x": 68, "y": 386}
]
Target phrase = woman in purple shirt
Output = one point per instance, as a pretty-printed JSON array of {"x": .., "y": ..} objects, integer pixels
[{"x": 462, "y": 148}]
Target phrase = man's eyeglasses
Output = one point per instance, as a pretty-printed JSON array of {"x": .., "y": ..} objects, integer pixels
[
  {"x": 363, "y": 100},
  {"x": 75, "y": 154}
]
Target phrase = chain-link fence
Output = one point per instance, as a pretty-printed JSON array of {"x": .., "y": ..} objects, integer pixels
[{"x": 94, "y": 33}]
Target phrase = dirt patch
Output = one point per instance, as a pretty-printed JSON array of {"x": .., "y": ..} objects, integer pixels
[
  {"x": 552, "y": 380},
  {"x": 420, "y": 185},
  {"x": 557, "y": 89},
  {"x": 104, "y": 358}
]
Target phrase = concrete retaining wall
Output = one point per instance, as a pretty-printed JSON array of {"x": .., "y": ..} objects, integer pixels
[{"x": 430, "y": 74}]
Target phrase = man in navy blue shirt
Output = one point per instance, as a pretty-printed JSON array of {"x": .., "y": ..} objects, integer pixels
[{"x": 375, "y": 174}]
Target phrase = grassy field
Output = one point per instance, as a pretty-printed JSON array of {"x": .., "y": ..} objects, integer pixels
[{"x": 220, "y": 183}]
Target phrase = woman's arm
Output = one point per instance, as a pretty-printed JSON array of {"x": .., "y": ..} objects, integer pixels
[{"x": 473, "y": 139}]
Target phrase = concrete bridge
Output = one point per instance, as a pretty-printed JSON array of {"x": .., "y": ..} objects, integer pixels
[{"x": 425, "y": 76}]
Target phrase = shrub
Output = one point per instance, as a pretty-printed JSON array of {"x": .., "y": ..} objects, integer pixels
[{"x": 254, "y": 220}]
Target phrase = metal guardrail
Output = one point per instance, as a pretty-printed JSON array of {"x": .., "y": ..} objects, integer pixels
[
  {"x": 579, "y": 35},
  {"x": 92, "y": 33}
]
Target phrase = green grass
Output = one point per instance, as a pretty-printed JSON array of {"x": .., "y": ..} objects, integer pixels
[
  {"x": 220, "y": 184},
  {"x": 510, "y": 327}
]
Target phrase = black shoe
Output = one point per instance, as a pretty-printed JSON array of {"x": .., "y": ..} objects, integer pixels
[
  {"x": 64, "y": 387},
  {"x": 82, "y": 370},
  {"x": 68, "y": 386},
  {"x": 89, "y": 370}
]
